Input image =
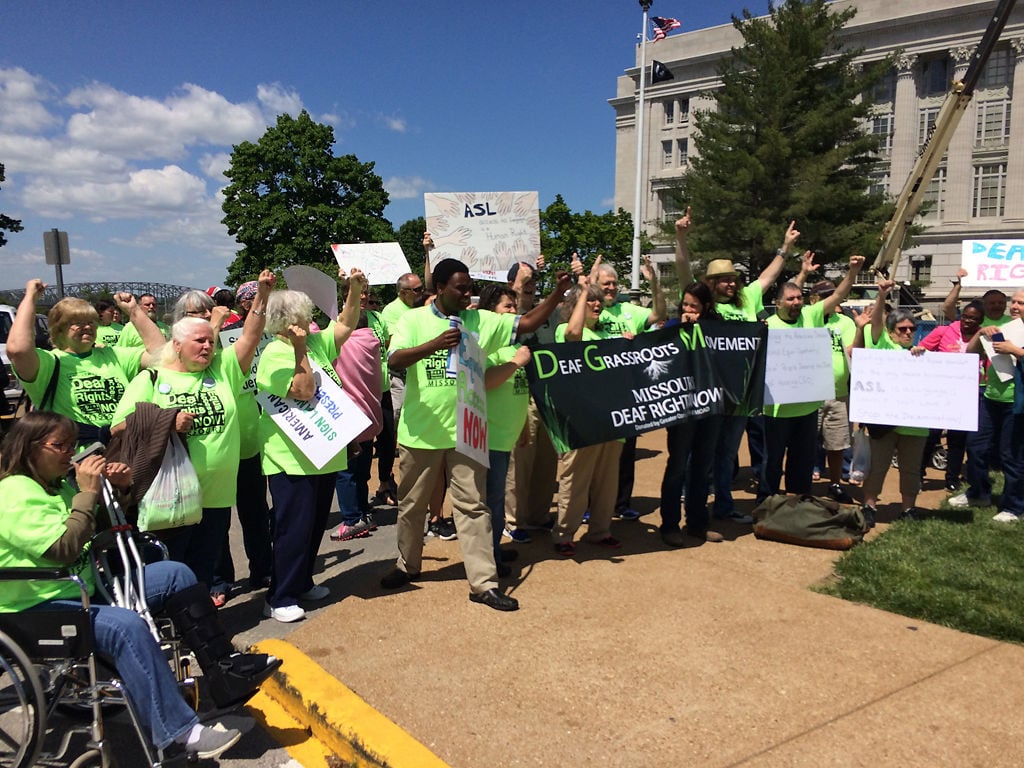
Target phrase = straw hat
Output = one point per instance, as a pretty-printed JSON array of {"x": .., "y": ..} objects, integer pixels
[{"x": 721, "y": 268}]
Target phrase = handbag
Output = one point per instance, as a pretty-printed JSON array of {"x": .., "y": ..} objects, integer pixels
[
  {"x": 175, "y": 498},
  {"x": 809, "y": 521}
]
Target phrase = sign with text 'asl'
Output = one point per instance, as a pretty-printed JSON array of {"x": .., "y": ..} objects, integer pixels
[
  {"x": 992, "y": 263},
  {"x": 320, "y": 427},
  {"x": 487, "y": 231}
]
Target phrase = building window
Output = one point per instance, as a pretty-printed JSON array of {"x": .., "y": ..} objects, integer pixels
[
  {"x": 926, "y": 123},
  {"x": 937, "y": 77},
  {"x": 921, "y": 270},
  {"x": 670, "y": 111},
  {"x": 684, "y": 110},
  {"x": 668, "y": 202},
  {"x": 998, "y": 69},
  {"x": 989, "y": 190},
  {"x": 879, "y": 183},
  {"x": 881, "y": 126},
  {"x": 683, "y": 146},
  {"x": 884, "y": 91},
  {"x": 934, "y": 201},
  {"x": 666, "y": 154},
  {"x": 993, "y": 125}
]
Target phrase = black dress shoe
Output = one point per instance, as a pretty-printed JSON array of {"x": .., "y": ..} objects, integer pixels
[
  {"x": 508, "y": 555},
  {"x": 492, "y": 598},
  {"x": 397, "y": 578}
]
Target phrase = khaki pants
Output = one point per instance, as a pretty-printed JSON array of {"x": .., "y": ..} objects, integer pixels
[
  {"x": 531, "y": 475},
  {"x": 419, "y": 468},
  {"x": 589, "y": 477}
]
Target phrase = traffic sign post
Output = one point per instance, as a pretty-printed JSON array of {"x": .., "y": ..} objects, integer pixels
[{"x": 55, "y": 246}]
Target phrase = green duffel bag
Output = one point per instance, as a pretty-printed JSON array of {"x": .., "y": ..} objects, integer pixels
[{"x": 809, "y": 521}]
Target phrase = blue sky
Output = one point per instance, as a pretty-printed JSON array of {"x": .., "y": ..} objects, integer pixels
[{"x": 117, "y": 118}]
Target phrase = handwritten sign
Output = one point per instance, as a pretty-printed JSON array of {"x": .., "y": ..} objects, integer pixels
[
  {"x": 934, "y": 390},
  {"x": 799, "y": 366},
  {"x": 227, "y": 338},
  {"x": 471, "y": 401},
  {"x": 992, "y": 263},
  {"x": 487, "y": 231},
  {"x": 382, "y": 263},
  {"x": 1003, "y": 364},
  {"x": 320, "y": 427}
]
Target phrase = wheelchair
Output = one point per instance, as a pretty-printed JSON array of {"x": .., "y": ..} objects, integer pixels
[{"x": 48, "y": 662}]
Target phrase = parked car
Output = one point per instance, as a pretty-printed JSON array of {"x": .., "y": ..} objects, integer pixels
[{"x": 12, "y": 388}]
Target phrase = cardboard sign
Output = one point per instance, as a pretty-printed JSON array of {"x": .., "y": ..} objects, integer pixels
[
  {"x": 471, "y": 401},
  {"x": 799, "y": 368},
  {"x": 935, "y": 390},
  {"x": 382, "y": 263},
  {"x": 992, "y": 263},
  {"x": 227, "y": 338},
  {"x": 487, "y": 231},
  {"x": 321, "y": 288},
  {"x": 1003, "y": 364},
  {"x": 320, "y": 427}
]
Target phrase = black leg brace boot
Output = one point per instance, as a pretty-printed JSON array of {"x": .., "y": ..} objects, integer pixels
[{"x": 232, "y": 677}]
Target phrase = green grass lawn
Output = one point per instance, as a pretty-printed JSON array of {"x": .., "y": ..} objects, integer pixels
[{"x": 955, "y": 569}]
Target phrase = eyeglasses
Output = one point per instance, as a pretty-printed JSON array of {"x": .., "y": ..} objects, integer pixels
[
  {"x": 905, "y": 328},
  {"x": 62, "y": 447},
  {"x": 80, "y": 326},
  {"x": 373, "y": 303}
]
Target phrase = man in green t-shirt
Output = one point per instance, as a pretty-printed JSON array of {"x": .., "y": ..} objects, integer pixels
[
  {"x": 130, "y": 335},
  {"x": 791, "y": 429},
  {"x": 420, "y": 345}
]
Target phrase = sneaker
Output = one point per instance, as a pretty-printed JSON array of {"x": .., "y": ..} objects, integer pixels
[
  {"x": 519, "y": 536},
  {"x": 565, "y": 548},
  {"x": 952, "y": 487},
  {"x": 912, "y": 514},
  {"x": 963, "y": 500},
  {"x": 711, "y": 536},
  {"x": 672, "y": 537},
  {"x": 357, "y": 530},
  {"x": 836, "y": 492},
  {"x": 1006, "y": 517},
  {"x": 444, "y": 529},
  {"x": 869, "y": 514},
  {"x": 370, "y": 520},
  {"x": 316, "y": 592},
  {"x": 210, "y": 742},
  {"x": 286, "y": 614},
  {"x": 586, "y": 516},
  {"x": 627, "y": 514}
]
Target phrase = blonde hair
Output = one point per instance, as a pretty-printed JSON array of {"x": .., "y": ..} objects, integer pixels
[{"x": 68, "y": 312}]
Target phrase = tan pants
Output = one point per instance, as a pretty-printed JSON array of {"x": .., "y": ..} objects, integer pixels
[
  {"x": 419, "y": 469},
  {"x": 589, "y": 477},
  {"x": 531, "y": 475}
]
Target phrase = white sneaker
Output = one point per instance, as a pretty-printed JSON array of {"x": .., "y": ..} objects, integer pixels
[
  {"x": 286, "y": 614},
  {"x": 1006, "y": 517},
  {"x": 962, "y": 500},
  {"x": 316, "y": 592}
]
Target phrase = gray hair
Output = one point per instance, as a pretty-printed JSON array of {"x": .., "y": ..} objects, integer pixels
[
  {"x": 594, "y": 292},
  {"x": 605, "y": 268},
  {"x": 898, "y": 316},
  {"x": 180, "y": 332},
  {"x": 285, "y": 308},
  {"x": 190, "y": 301}
]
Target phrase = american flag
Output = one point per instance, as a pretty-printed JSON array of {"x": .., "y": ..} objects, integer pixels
[{"x": 663, "y": 26}]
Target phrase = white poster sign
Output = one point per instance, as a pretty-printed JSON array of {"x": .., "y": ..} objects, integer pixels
[
  {"x": 992, "y": 263},
  {"x": 227, "y": 338},
  {"x": 471, "y": 401},
  {"x": 382, "y": 263},
  {"x": 487, "y": 231},
  {"x": 1003, "y": 364},
  {"x": 321, "y": 288},
  {"x": 320, "y": 427},
  {"x": 798, "y": 366},
  {"x": 935, "y": 390}
]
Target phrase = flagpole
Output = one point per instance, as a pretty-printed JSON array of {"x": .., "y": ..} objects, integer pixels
[{"x": 640, "y": 140}]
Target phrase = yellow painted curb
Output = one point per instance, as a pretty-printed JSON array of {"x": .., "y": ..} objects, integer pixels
[{"x": 344, "y": 723}]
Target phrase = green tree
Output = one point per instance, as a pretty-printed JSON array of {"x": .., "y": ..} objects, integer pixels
[
  {"x": 610, "y": 235},
  {"x": 7, "y": 224},
  {"x": 290, "y": 197},
  {"x": 787, "y": 141}
]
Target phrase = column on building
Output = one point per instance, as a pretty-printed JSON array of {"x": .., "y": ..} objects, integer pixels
[
  {"x": 960, "y": 164},
  {"x": 904, "y": 131},
  {"x": 1014, "y": 212}
]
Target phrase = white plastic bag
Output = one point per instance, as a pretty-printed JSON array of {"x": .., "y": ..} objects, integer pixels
[
  {"x": 860, "y": 462},
  {"x": 175, "y": 498}
]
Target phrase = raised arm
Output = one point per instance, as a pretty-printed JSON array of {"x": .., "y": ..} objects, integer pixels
[
  {"x": 497, "y": 375},
  {"x": 303, "y": 385},
  {"x": 807, "y": 267},
  {"x": 684, "y": 270},
  {"x": 576, "y": 323},
  {"x": 21, "y": 340},
  {"x": 537, "y": 316},
  {"x": 348, "y": 319},
  {"x": 658, "y": 313},
  {"x": 878, "y": 310},
  {"x": 771, "y": 273},
  {"x": 949, "y": 303},
  {"x": 428, "y": 275},
  {"x": 831, "y": 303},
  {"x": 252, "y": 329},
  {"x": 151, "y": 336}
]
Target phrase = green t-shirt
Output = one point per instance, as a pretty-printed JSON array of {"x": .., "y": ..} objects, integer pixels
[
  {"x": 130, "y": 335},
  {"x": 995, "y": 389},
  {"x": 812, "y": 316},
  {"x": 107, "y": 335},
  {"x": 753, "y": 304},
  {"x": 89, "y": 386},
  {"x": 589, "y": 334},
  {"x": 428, "y": 413},
  {"x": 885, "y": 342},
  {"x": 274, "y": 375},
  {"x": 843, "y": 331},
  {"x": 32, "y": 522},
  {"x": 621, "y": 318},
  {"x": 392, "y": 313},
  {"x": 214, "y": 440},
  {"x": 506, "y": 404},
  {"x": 380, "y": 330}
]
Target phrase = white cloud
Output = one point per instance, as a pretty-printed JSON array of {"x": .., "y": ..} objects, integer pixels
[
  {"x": 138, "y": 127},
  {"x": 22, "y": 98},
  {"x": 278, "y": 100},
  {"x": 407, "y": 188},
  {"x": 36, "y": 154},
  {"x": 608, "y": 202},
  {"x": 215, "y": 165},
  {"x": 396, "y": 124}
]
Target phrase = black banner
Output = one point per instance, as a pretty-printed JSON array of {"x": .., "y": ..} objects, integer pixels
[{"x": 589, "y": 392}]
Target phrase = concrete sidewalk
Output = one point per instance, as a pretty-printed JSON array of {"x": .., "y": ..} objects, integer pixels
[{"x": 714, "y": 655}]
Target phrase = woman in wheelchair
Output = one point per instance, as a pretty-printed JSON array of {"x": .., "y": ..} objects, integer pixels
[{"x": 44, "y": 522}]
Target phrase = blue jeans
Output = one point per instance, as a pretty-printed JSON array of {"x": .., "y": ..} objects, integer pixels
[
  {"x": 728, "y": 444},
  {"x": 691, "y": 451},
  {"x": 496, "y": 477},
  {"x": 352, "y": 485},
  {"x": 1001, "y": 434},
  {"x": 123, "y": 636}
]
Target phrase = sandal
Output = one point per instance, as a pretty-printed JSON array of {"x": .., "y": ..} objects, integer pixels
[
  {"x": 609, "y": 541},
  {"x": 219, "y": 599}
]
